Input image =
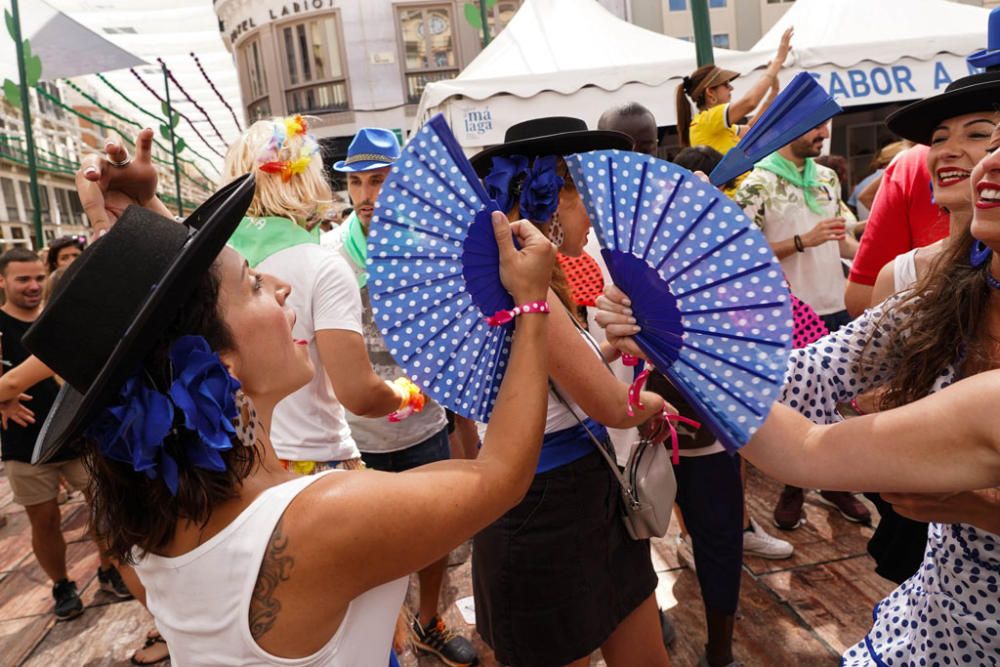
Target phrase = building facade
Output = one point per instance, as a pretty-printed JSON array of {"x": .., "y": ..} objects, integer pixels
[
  {"x": 353, "y": 63},
  {"x": 736, "y": 24}
]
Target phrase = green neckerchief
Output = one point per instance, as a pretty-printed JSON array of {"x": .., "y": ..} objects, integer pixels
[
  {"x": 256, "y": 239},
  {"x": 356, "y": 245},
  {"x": 805, "y": 180}
]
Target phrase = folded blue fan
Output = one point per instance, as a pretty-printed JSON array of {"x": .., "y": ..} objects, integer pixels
[
  {"x": 705, "y": 287},
  {"x": 801, "y": 106},
  {"x": 433, "y": 268}
]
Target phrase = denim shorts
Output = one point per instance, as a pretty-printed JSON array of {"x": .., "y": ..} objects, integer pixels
[{"x": 434, "y": 448}]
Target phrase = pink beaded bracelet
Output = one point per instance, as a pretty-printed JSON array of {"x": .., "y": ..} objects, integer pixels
[{"x": 504, "y": 316}]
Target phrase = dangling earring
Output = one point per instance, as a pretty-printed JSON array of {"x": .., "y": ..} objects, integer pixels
[
  {"x": 246, "y": 420},
  {"x": 979, "y": 254},
  {"x": 555, "y": 232}
]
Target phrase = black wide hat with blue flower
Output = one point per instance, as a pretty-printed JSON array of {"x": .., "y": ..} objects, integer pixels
[
  {"x": 115, "y": 300},
  {"x": 551, "y": 135}
]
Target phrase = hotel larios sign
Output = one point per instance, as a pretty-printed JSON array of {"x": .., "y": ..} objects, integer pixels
[{"x": 261, "y": 13}]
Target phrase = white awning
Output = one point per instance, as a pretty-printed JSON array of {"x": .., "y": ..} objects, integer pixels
[
  {"x": 569, "y": 57},
  {"x": 848, "y": 32}
]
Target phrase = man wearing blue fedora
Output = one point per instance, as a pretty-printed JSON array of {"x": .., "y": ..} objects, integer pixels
[{"x": 421, "y": 438}]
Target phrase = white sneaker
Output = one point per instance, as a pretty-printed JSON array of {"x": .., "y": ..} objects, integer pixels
[
  {"x": 685, "y": 552},
  {"x": 758, "y": 543}
]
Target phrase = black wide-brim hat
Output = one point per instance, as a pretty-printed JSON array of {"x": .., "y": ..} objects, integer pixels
[
  {"x": 116, "y": 299},
  {"x": 916, "y": 121},
  {"x": 551, "y": 135}
]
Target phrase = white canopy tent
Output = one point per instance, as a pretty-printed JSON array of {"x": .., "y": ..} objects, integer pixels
[
  {"x": 866, "y": 52},
  {"x": 566, "y": 57}
]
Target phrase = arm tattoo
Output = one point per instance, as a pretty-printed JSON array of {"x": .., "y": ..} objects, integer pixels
[{"x": 274, "y": 569}]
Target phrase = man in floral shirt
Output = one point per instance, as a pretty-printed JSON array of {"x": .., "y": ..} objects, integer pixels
[{"x": 797, "y": 204}]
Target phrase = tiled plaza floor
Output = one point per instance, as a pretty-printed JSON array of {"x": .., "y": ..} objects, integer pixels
[{"x": 801, "y": 611}]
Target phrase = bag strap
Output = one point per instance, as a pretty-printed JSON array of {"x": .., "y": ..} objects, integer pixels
[{"x": 601, "y": 447}]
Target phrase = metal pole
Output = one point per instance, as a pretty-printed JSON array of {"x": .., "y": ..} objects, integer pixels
[
  {"x": 485, "y": 14},
  {"x": 28, "y": 135},
  {"x": 173, "y": 141},
  {"x": 702, "y": 32}
]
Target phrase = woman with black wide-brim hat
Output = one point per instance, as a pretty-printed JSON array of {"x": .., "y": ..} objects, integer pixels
[
  {"x": 174, "y": 354},
  {"x": 558, "y": 577},
  {"x": 937, "y": 330},
  {"x": 914, "y": 344}
]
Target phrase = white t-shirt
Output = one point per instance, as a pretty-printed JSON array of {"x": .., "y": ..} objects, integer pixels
[
  {"x": 310, "y": 425},
  {"x": 380, "y": 435},
  {"x": 779, "y": 209}
]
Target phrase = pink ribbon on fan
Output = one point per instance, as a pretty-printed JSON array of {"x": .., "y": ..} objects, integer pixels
[
  {"x": 635, "y": 388},
  {"x": 633, "y": 400},
  {"x": 669, "y": 418}
]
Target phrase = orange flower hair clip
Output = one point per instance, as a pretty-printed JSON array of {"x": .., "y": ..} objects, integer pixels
[{"x": 287, "y": 168}]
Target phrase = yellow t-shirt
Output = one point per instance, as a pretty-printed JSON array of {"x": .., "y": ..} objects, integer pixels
[{"x": 709, "y": 128}]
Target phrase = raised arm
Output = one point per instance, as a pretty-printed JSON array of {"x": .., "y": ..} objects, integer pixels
[
  {"x": 372, "y": 527},
  {"x": 752, "y": 98},
  {"x": 106, "y": 190},
  {"x": 906, "y": 449}
]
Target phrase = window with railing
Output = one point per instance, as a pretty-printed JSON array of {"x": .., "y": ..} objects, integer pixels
[
  {"x": 47, "y": 106},
  {"x": 76, "y": 208},
  {"x": 251, "y": 61},
  {"x": 313, "y": 68},
  {"x": 9, "y": 199},
  {"x": 63, "y": 207},
  {"x": 427, "y": 37},
  {"x": 501, "y": 14},
  {"x": 45, "y": 203},
  {"x": 29, "y": 205}
]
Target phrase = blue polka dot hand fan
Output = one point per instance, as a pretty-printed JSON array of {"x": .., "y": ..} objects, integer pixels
[
  {"x": 433, "y": 268},
  {"x": 705, "y": 287}
]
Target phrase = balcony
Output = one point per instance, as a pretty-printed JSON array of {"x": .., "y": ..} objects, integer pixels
[
  {"x": 417, "y": 81},
  {"x": 318, "y": 98}
]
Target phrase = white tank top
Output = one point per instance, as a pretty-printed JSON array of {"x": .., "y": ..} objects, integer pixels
[
  {"x": 201, "y": 600},
  {"x": 904, "y": 271}
]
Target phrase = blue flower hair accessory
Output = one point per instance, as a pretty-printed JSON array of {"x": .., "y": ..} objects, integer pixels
[
  {"x": 506, "y": 172},
  {"x": 201, "y": 399},
  {"x": 540, "y": 192},
  {"x": 535, "y": 188}
]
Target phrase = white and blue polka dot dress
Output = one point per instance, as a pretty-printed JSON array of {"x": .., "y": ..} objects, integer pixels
[{"x": 948, "y": 613}]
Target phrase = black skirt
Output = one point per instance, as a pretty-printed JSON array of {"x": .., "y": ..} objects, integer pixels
[{"x": 555, "y": 575}]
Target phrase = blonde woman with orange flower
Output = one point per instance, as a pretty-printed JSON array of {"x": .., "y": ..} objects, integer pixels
[{"x": 280, "y": 236}]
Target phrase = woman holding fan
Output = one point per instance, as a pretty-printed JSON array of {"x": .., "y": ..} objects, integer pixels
[
  {"x": 710, "y": 88},
  {"x": 912, "y": 345},
  {"x": 243, "y": 562},
  {"x": 558, "y": 577}
]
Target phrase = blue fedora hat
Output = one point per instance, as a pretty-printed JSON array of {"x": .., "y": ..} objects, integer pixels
[
  {"x": 371, "y": 148},
  {"x": 990, "y": 56}
]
